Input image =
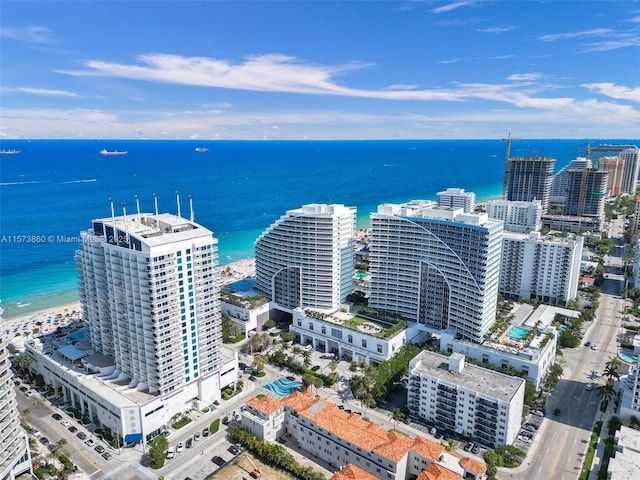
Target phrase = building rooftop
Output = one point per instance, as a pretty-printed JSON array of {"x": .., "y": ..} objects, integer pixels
[
  {"x": 626, "y": 463},
  {"x": 486, "y": 382},
  {"x": 436, "y": 472},
  {"x": 58, "y": 348},
  {"x": 351, "y": 472},
  {"x": 369, "y": 436},
  {"x": 150, "y": 229}
]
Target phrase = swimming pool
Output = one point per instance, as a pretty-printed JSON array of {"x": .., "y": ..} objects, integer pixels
[
  {"x": 517, "y": 333},
  {"x": 242, "y": 285},
  {"x": 361, "y": 276},
  {"x": 629, "y": 358},
  {"x": 283, "y": 386}
]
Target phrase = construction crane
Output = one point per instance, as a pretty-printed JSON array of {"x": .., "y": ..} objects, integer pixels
[
  {"x": 506, "y": 164},
  {"x": 583, "y": 183}
]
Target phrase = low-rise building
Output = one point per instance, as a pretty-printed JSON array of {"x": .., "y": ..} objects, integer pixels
[
  {"x": 89, "y": 382},
  {"x": 625, "y": 463},
  {"x": 348, "y": 443},
  {"x": 533, "y": 357},
  {"x": 348, "y": 336},
  {"x": 465, "y": 399},
  {"x": 249, "y": 310}
]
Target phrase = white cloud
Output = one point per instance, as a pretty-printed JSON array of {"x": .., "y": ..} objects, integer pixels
[
  {"x": 450, "y": 6},
  {"x": 401, "y": 86},
  {"x": 608, "y": 45},
  {"x": 524, "y": 77},
  {"x": 495, "y": 29},
  {"x": 45, "y": 92},
  {"x": 596, "y": 32},
  {"x": 31, "y": 34},
  {"x": 615, "y": 91}
]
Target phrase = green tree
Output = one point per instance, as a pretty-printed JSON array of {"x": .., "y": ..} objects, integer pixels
[
  {"x": 306, "y": 358},
  {"x": 56, "y": 449},
  {"x": 396, "y": 415},
  {"x": 296, "y": 351},
  {"x": 606, "y": 392},
  {"x": 568, "y": 339},
  {"x": 157, "y": 451},
  {"x": 318, "y": 383},
  {"x": 307, "y": 381},
  {"x": 451, "y": 445}
]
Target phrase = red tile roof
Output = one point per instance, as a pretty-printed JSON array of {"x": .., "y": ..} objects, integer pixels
[
  {"x": 266, "y": 404},
  {"x": 473, "y": 465},
  {"x": 426, "y": 448},
  {"x": 438, "y": 472},
  {"x": 351, "y": 472}
]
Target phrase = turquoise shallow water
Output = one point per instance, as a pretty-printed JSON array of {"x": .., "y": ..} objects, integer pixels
[
  {"x": 55, "y": 188},
  {"x": 283, "y": 386},
  {"x": 518, "y": 332}
]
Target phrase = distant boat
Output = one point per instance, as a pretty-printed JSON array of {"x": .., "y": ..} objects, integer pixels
[
  {"x": 202, "y": 149},
  {"x": 114, "y": 152},
  {"x": 10, "y": 152}
]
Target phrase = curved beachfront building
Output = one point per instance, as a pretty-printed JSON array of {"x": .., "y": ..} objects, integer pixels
[
  {"x": 436, "y": 266},
  {"x": 306, "y": 258}
]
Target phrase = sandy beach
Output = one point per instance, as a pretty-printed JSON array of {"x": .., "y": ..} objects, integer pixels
[{"x": 49, "y": 319}]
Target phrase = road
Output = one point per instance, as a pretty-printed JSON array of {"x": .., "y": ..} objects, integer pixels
[{"x": 559, "y": 448}]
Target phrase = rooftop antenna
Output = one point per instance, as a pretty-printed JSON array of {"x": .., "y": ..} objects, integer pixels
[
  {"x": 191, "y": 208},
  {"x": 126, "y": 230},
  {"x": 137, "y": 206},
  {"x": 505, "y": 180},
  {"x": 113, "y": 215},
  {"x": 155, "y": 203},
  {"x": 178, "y": 201}
]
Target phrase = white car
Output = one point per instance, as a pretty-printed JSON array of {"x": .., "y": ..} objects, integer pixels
[
  {"x": 29, "y": 393},
  {"x": 179, "y": 447},
  {"x": 64, "y": 423},
  {"x": 170, "y": 453},
  {"x": 589, "y": 387},
  {"x": 594, "y": 346},
  {"x": 89, "y": 442}
]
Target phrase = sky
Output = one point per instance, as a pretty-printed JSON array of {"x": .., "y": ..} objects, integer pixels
[{"x": 319, "y": 69}]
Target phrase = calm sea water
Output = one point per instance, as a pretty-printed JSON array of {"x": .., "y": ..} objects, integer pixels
[{"x": 54, "y": 188}]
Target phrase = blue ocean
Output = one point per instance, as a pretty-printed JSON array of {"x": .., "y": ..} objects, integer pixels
[{"x": 54, "y": 188}]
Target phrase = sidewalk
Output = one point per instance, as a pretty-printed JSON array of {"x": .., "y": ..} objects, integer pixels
[{"x": 604, "y": 433}]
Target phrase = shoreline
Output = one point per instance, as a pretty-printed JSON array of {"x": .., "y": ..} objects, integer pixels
[{"x": 43, "y": 307}]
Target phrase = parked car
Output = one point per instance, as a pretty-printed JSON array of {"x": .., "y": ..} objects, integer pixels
[
  {"x": 315, "y": 368},
  {"x": 225, "y": 420},
  {"x": 537, "y": 413},
  {"x": 73, "y": 429},
  {"x": 99, "y": 448},
  {"x": 196, "y": 437},
  {"x": 475, "y": 450},
  {"x": 106, "y": 456},
  {"x": 433, "y": 430},
  {"x": 589, "y": 387},
  {"x": 205, "y": 432},
  {"x": 65, "y": 423},
  {"x": 291, "y": 377},
  {"x": 29, "y": 393},
  {"x": 179, "y": 447},
  {"x": 233, "y": 450},
  {"x": 81, "y": 435},
  {"x": 587, "y": 344},
  {"x": 188, "y": 443},
  {"x": 594, "y": 346},
  {"x": 89, "y": 442},
  {"x": 56, "y": 416},
  {"x": 218, "y": 460},
  {"x": 468, "y": 447},
  {"x": 44, "y": 440},
  {"x": 171, "y": 453}
]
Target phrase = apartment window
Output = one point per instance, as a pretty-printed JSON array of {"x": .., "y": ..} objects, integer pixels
[
  {"x": 350, "y": 338},
  {"x": 311, "y": 326},
  {"x": 379, "y": 348},
  {"x": 364, "y": 343},
  {"x": 323, "y": 330}
]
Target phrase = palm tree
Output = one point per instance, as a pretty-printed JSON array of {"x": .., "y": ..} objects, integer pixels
[
  {"x": 451, "y": 445},
  {"x": 610, "y": 372},
  {"x": 56, "y": 449},
  {"x": 606, "y": 391},
  {"x": 306, "y": 358},
  {"x": 333, "y": 365},
  {"x": 396, "y": 415},
  {"x": 307, "y": 381},
  {"x": 296, "y": 351}
]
